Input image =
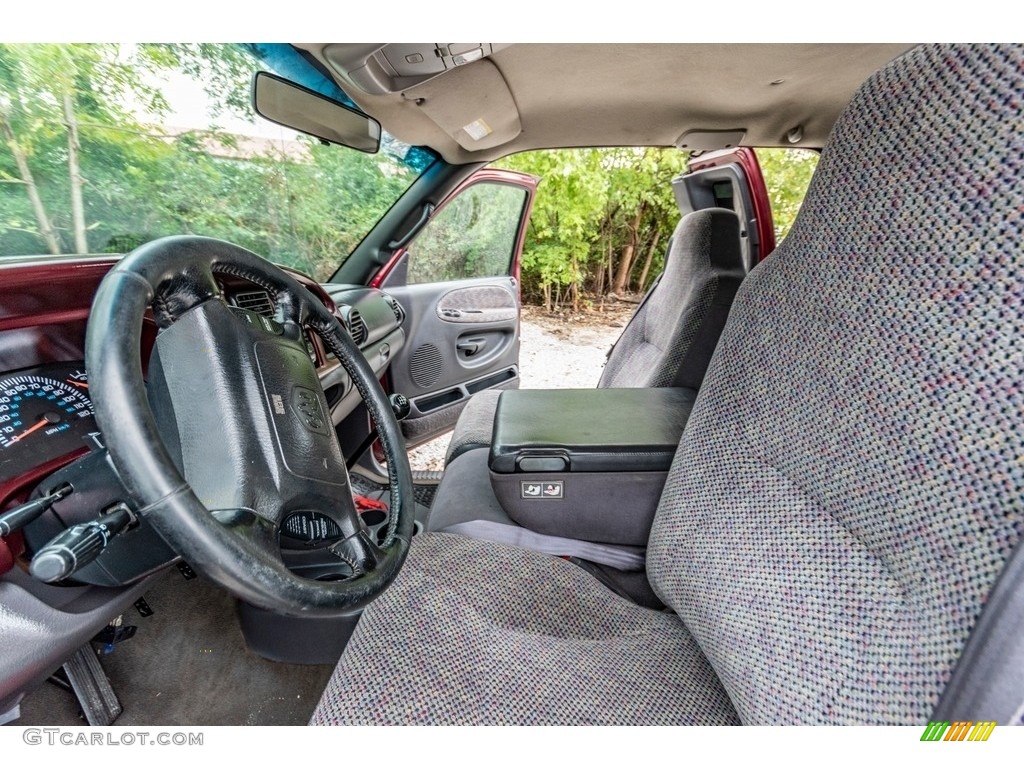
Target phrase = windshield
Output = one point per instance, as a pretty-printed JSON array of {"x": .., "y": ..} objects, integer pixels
[{"x": 105, "y": 147}]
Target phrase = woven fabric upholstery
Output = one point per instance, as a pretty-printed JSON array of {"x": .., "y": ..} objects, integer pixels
[
  {"x": 475, "y": 424},
  {"x": 653, "y": 346},
  {"x": 847, "y": 490},
  {"x": 850, "y": 483},
  {"x": 704, "y": 264},
  {"x": 478, "y": 633}
]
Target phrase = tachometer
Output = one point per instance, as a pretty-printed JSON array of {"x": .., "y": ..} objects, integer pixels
[{"x": 44, "y": 413}]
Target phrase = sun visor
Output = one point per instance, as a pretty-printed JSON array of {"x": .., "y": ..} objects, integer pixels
[{"x": 472, "y": 104}]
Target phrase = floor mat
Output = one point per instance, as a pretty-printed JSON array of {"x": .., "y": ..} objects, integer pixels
[{"x": 188, "y": 665}]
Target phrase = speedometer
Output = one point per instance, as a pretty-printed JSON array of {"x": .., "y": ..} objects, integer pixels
[{"x": 44, "y": 414}]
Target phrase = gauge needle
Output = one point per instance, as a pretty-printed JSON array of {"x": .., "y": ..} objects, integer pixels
[
  {"x": 81, "y": 384},
  {"x": 39, "y": 425}
]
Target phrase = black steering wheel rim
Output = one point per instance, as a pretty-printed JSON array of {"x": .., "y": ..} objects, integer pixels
[{"x": 172, "y": 276}]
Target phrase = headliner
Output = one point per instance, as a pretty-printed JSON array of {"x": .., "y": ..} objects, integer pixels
[{"x": 535, "y": 96}]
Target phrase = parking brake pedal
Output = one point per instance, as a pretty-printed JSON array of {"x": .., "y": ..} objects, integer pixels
[{"x": 92, "y": 688}]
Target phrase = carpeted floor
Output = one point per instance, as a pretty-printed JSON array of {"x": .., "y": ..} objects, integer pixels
[{"x": 188, "y": 665}]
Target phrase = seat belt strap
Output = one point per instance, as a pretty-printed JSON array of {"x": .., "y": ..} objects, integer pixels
[{"x": 622, "y": 557}]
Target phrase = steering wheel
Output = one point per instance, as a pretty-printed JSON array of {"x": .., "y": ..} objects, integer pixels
[{"x": 235, "y": 405}]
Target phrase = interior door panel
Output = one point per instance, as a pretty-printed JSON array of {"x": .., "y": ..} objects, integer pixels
[
  {"x": 478, "y": 304},
  {"x": 457, "y": 280},
  {"x": 463, "y": 338}
]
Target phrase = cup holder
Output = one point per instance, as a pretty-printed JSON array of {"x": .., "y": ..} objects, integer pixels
[{"x": 373, "y": 517}]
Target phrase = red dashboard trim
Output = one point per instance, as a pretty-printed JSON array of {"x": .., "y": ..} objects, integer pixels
[
  {"x": 11, "y": 490},
  {"x": 49, "y": 293}
]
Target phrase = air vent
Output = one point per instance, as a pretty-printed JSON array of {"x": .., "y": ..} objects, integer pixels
[
  {"x": 425, "y": 365},
  {"x": 397, "y": 309},
  {"x": 357, "y": 327},
  {"x": 255, "y": 301}
]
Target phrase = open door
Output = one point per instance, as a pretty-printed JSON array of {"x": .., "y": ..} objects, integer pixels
[
  {"x": 731, "y": 178},
  {"x": 458, "y": 281}
]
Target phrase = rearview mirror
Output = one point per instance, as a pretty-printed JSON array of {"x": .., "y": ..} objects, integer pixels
[{"x": 286, "y": 103}]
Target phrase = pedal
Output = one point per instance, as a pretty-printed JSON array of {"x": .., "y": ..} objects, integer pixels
[
  {"x": 186, "y": 570},
  {"x": 143, "y": 607},
  {"x": 113, "y": 634},
  {"x": 427, "y": 476},
  {"x": 92, "y": 687}
]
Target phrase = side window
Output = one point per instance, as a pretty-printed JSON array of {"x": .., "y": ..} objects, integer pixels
[{"x": 474, "y": 235}]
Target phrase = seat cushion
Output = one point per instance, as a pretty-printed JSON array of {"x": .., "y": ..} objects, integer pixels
[
  {"x": 670, "y": 339},
  {"x": 517, "y": 638},
  {"x": 849, "y": 485}
]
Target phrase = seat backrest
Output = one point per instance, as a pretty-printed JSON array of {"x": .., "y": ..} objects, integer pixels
[
  {"x": 851, "y": 481},
  {"x": 670, "y": 339}
]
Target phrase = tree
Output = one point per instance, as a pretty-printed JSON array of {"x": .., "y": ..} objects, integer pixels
[
  {"x": 595, "y": 211},
  {"x": 787, "y": 174},
  {"x": 51, "y": 89},
  {"x": 89, "y": 164}
]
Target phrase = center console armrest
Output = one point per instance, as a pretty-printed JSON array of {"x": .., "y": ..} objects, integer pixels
[{"x": 586, "y": 463}]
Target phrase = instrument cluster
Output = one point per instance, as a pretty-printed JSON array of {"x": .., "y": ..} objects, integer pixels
[{"x": 45, "y": 413}]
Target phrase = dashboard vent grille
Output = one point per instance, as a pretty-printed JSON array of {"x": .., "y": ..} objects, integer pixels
[
  {"x": 357, "y": 327},
  {"x": 397, "y": 309},
  {"x": 255, "y": 301}
]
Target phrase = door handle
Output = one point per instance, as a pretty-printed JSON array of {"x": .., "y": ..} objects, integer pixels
[{"x": 471, "y": 347}]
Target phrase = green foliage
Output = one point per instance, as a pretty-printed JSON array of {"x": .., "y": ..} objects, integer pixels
[
  {"x": 787, "y": 174},
  {"x": 224, "y": 70},
  {"x": 469, "y": 237},
  {"x": 591, "y": 206},
  {"x": 303, "y": 205},
  {"x": 605, "y": 216}
]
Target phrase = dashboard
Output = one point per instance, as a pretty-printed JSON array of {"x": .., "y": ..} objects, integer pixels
[
  {"x": 46, "y": 414},
  {"x": 52, "y": 455}
]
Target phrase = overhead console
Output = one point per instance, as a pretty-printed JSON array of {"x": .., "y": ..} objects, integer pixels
[
  {"x": 379, "y": 68},
  {"x": 472, "y": 105}
]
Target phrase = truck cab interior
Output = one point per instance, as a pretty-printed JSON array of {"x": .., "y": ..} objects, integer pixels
[{"x": 793, "y": 496}]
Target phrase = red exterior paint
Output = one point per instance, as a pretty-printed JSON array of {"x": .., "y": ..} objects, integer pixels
[
  {"x": 523, "y": 180},
  {"x": 378, "y": 279},
  {"x": 746, "y": 158}
]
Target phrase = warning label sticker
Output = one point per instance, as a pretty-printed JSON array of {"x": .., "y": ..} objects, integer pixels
[{"x": 549, "y": 489}]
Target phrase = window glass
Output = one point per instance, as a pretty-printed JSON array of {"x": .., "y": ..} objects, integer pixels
[
  {"x": 787, "y": 174},
  {"x": 106, "y": 146},
  {"x": 474, "y": 235}
]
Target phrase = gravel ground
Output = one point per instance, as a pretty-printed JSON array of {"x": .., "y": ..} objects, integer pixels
[{"x": 556, "y": 352}]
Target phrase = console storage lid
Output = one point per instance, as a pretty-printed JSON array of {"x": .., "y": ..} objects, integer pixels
[{"x": 588, "y": 430}]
